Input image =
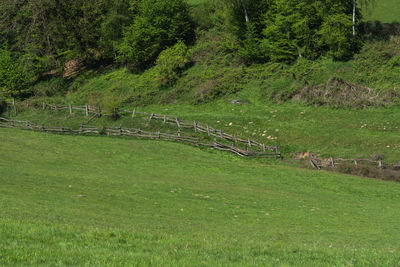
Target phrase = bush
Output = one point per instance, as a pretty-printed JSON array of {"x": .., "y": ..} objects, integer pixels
[
  {"x": 15, "y": 77},
  {"x": 170, "y": 62},
  {"x": 110, "y": 105},
  {"x": 53, "y": 86}
]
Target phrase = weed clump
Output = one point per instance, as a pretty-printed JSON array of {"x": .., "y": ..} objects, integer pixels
[{"x": 111, "y": 105}]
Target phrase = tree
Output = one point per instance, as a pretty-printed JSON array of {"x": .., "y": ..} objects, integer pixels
[
  {"x": 304, "y": 28},
  {"x": 159, "y": 24}
]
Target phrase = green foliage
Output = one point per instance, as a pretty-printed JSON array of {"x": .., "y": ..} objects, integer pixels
[
  {"x": 298, "y": 28},
  {"x": 111, "y": 105},
  {"x": 336, "y": 36},
  {"x": 3, "y": 104},
  {"x": 53, "y": 86},
  {"x": 159, "y": 24},
  {"x": 85, "y": 29},
  {"x": 251, "y": 50},
  {"x": 15, "y": 76},
  {"x": 170, "y": 62}
]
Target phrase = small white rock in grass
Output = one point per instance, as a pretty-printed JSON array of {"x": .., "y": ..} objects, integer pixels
[{"x": 230, "y": 124}]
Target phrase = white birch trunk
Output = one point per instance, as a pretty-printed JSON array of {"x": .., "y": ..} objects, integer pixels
[
  {"x": 246, "y": 16},
  {"x": 354, "y": 17}
]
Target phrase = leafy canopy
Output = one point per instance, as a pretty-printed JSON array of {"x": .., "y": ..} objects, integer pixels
[{"x": 159, "y": 24}]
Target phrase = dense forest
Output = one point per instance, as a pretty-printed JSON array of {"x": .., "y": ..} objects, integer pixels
[{"x": 45, "y": 39}]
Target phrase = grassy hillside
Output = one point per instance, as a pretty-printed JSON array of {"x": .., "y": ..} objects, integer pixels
[
  {"x": 152, "y": 203},
  {"x": 383, "y": 10},
  {"x": 295, "y": 128}
]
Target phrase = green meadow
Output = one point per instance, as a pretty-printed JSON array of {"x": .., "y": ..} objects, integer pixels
[{"x": 70, "y": 200}]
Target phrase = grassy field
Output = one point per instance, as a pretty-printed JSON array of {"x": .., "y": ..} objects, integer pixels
[
  {"x": 384, "y": 11},
  {"x": 295, "y": 128},
  {"x": 381, "y": 10},
  {"x": 160, "y": 203}
]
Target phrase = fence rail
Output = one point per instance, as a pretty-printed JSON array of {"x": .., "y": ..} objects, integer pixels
[
  {"x": 198, "y": 127},
  {"x": 323, "y": 163},
  {"x": 119, "y": 131}
]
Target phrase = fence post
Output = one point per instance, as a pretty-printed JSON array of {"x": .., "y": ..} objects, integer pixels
[
  {"x": 98, "y": 111},
  {"x": 278, "y": 153},
  {"x": 165, "y": 119},
  {"x": 332, "y": 163},
  {"x": 249, "y": 142},
  {"x": 208, "y": 130},
  {"x": 70, "y": 108},
  {"x": 133, "y": 113},
  {"x": 195, "y": 126},
  {"x": 380, "y": 164},
  {"x": 159, "y": 135},
  {"x": 178, "y": 123},
  {"x": 179, "y": 132},
  {"x": 87, "y": 110},
  {"x": 151, "y": 117},
  {"x": 14, "y": 106},
  {"x": 222, "y": 134},
  {"x": 264, "y": 148},
  {"x": 44, "y": 105}
]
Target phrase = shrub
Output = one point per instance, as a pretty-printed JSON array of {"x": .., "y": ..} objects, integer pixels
[
  {"x": 51, "y": 87},
  {"x": 15, "y": 77},
  {"x": 170, "y": 62},
  {"x": 110, "y": 105}
]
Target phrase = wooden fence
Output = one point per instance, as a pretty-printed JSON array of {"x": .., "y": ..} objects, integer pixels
[
  {"x": 322, "y": 163},
  {"x": 119, "y": 131},
  {"x": 198, "y": 127}
]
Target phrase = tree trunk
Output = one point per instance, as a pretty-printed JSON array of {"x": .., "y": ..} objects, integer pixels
[
  {"x": 354, "y": 17},
  {"x": 246, "y": 16}
]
